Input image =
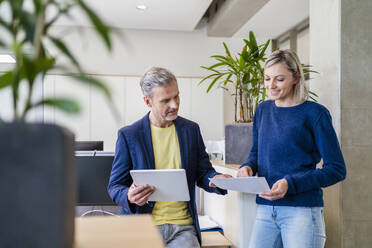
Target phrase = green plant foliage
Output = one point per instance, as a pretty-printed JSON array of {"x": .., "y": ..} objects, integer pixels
[
  {"x": 244, "y": 72},
  {"x": 28, "y": 28}
]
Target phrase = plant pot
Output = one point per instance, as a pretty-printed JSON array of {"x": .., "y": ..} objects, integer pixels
[
  {"x": 37, "y": 186},
  {"x": 238, "y": 142}
]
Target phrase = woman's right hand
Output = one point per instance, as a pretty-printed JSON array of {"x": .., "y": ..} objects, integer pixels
[{"x": 245, "y": 171}]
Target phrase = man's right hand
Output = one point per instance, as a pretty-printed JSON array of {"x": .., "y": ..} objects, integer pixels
[
  {"x": 245, "y": 171},
  {"x": 140, "y": 194}
]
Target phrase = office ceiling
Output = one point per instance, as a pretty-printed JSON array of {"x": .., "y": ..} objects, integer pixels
[
  {"x": 268, "y": 19},
  {"x": 275, "y": 18},
  {"x": 176, "y": 15}
]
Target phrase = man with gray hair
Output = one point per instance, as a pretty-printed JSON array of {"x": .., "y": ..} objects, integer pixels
[{"x": 162, "y": 140}]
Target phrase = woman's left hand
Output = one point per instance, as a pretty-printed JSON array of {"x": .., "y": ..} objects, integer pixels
[{"x": 278, "y": 190}]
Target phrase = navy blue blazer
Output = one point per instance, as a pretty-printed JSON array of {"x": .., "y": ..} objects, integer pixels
[{"x": 134, "y": 151}]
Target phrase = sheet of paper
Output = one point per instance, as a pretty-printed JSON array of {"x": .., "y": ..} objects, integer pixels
[
  {"x": 252, "y": 185},
  {"x": 206, "y": 223}
]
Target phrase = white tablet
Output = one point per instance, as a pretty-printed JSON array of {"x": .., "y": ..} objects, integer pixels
[{"x": 170, "y": 185}]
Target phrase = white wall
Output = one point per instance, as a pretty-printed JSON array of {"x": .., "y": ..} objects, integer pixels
[
  {"x": 303, "y": 46},
  {"x": 136, "y": 50},
  {"x": 133, "y": 52},
  {"x": 97, "y": 122}
]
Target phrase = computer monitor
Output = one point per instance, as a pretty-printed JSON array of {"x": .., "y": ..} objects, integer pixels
[
  {"x": 93, "y": 173},
  {"x": 88, "y": 145}
]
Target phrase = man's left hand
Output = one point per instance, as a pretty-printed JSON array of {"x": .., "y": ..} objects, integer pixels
[
  {"x": 219, "y": 176},
  {"x": 278, "y": 190}
]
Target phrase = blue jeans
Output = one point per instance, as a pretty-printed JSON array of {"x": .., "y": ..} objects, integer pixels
[
  {"x": 176, "y": 236},
  {"x": 289, "y": 227}
]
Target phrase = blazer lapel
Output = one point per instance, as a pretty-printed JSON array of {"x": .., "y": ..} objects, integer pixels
[{"x": 148, "y": 148}]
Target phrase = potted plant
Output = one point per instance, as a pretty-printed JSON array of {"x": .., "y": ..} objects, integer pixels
[
  {"x": 245, "y": 73},
  {"x": 37, "y": 174}
]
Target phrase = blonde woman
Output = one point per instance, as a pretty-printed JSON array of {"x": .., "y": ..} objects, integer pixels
[{"x": 290, "y": 136}]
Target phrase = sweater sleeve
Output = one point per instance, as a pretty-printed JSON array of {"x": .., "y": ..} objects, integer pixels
[
  {"x": 253, "y": 155},
  {"x": 333, "y": 169}
]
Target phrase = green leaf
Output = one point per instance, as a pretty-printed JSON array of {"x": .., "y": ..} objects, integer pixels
[
  {"x": 312, "y": 98},
  {"x": 28, "y": 22},
  {"x": 213, "y": 82},
  {"x": 227, "y": 79},
  {"x": 228, "y": 60},
  {"x": 6, "y": 79},
  {"x": 252, "y": 44},
  {"x": 31, "y": 67},
  {"x": 262, "y": 53},
  {"x": 215, "y": 65},
  {"x": 223, "y": 58},
  {"x": 263, "y": 94},
  {"x": 65, "y": 104},
  {"x": 307, "y": 71},
  {"x": 246, "y": 78},
  {"x": 312, "y": 93},
  {"x": 246, "y": 56},
  {"x": 226, "y": 49},
  {"x": 38, "y": 5},
  {"x": 253, "y": 41},
  {"x": 100, "y": 27},
  {"x": 64, "y": 49},
  {"x": 208, "y": 69},
  {"x": 209, "y": 76}
]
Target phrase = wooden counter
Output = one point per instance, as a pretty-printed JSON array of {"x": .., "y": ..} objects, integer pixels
[
  {"x": 215, "y": 240},
  {"x": 221, "y": 163},
  {"x": 130, "y": 231}
]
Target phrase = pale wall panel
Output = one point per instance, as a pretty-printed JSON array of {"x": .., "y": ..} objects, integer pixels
[
  {"x": 184, "y": 86},
  {"x": 79, "y": 124},
  {"x": 96, "y": 122},
  {"x": 135, "y": 107},
  {"x": 104, "y": 125},
  {"x": 207, "y": 110}
]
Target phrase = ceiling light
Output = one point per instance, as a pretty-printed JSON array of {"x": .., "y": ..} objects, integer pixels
[
  {"x": 6, "y": 58},
  {"x": 141, "y": 7}
]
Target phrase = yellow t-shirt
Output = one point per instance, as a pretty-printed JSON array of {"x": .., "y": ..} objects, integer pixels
[{"x": 167, "y": 156}]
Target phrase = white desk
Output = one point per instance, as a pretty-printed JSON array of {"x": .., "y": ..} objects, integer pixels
[{"x": 235, "y": 212}]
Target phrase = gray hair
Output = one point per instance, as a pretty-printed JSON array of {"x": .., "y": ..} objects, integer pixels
[
  {"x": 293, "y": 64},
  {"x": 154, "y": 77}
]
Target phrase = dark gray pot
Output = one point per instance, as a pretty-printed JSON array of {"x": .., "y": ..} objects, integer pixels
[
  {"x": 37, "y": 186},
  {"x": 238, "y": 138}
]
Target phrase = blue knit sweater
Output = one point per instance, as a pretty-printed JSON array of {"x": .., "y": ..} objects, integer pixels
[{"x": 288, "y": 142}]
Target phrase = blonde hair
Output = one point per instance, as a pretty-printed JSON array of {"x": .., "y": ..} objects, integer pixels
[{"x": 293, "y": 64}]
